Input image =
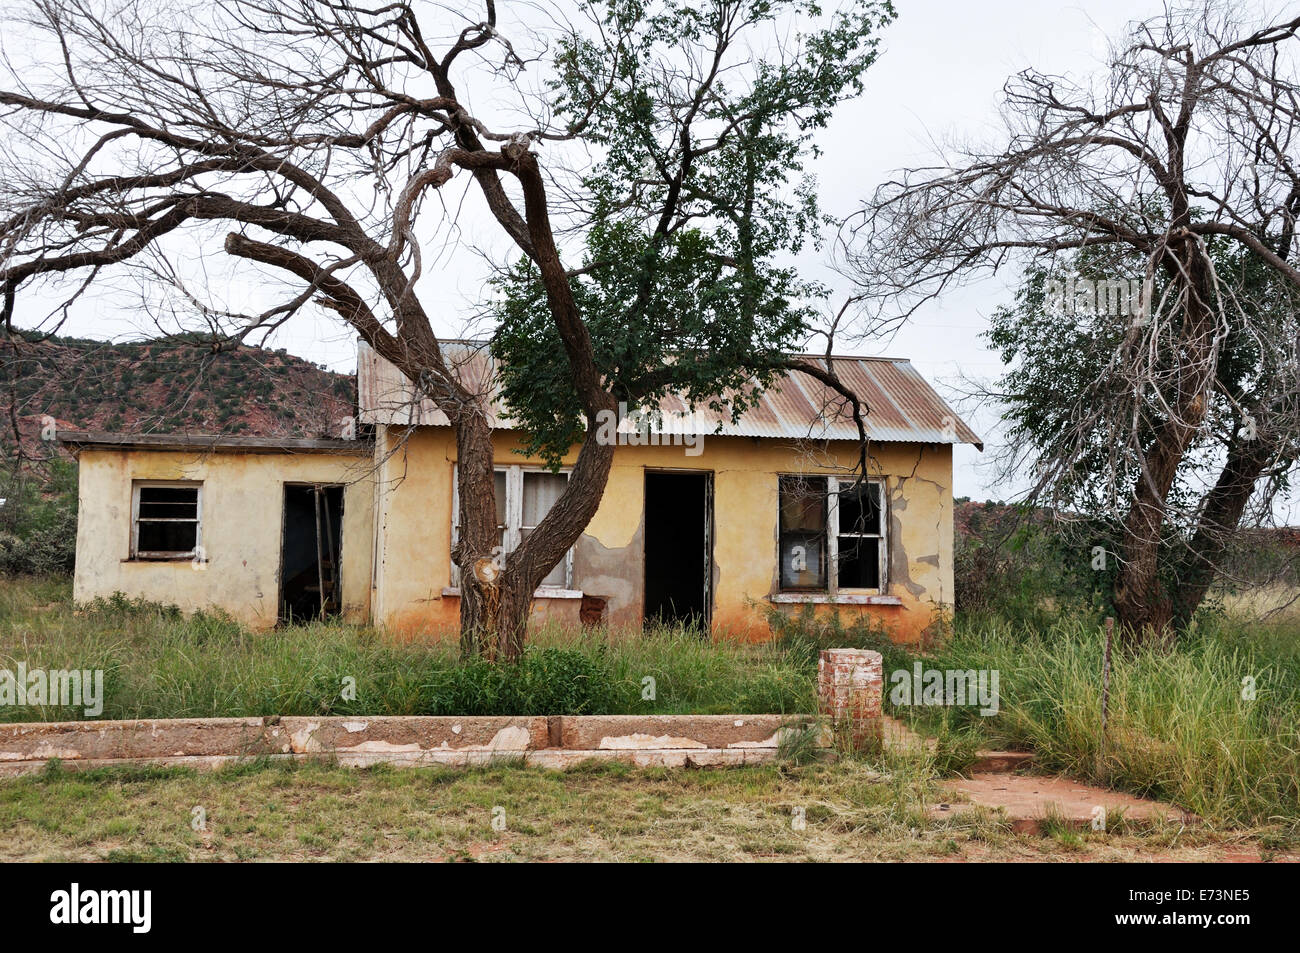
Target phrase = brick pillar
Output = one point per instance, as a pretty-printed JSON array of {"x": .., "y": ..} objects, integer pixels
[{"x": 849, "y": 686}]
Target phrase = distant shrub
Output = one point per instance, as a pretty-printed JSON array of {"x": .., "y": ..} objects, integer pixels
[
  {"x": 1022, "y": 566},
  {"x": 38, "y": 522}
]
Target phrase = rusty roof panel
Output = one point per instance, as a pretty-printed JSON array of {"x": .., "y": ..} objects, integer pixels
[{"x": 902, "y": 406}]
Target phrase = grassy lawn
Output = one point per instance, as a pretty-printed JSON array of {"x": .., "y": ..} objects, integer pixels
[{"x": 852, "y": 810}]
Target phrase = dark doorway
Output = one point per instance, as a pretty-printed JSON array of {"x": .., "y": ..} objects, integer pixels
[
  {"x": 678, "y": 550},
  {"x": 310, "y": 581}
]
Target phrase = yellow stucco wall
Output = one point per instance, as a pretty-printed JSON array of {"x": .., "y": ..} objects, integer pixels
[
  {"x": 415, "y": 476},
  {"x": 243, "y": 503}
]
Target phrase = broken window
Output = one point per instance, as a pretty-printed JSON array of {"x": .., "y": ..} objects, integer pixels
[
  {"x": 858, "y": 547},
  {"x": 832, "y": 534},
  {"x": 523, "y": 498},
  {"x": 803, "y": 532},
  {"x": 167, "y": 520}
]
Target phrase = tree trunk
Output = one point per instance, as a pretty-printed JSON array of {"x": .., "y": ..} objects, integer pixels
[
  {"x": 1142, "y": 605},
  {"x": 1220, "y": 517},
  {"x": 529, "y": 564},
  {"x": 477, "y": 553}
]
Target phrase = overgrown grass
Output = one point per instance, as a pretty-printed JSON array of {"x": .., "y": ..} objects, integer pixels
[
  {"x": 1182, "y": 723},
  {"x": 1179, "y": 727},
  {"x": 159, "y": 663}
]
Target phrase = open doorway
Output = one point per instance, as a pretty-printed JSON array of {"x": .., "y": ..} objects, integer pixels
[
  {"x": 311, "y": 584},
  {"x": 678, "y": 547}
]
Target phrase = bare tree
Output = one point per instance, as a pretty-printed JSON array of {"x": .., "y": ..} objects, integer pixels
[
  {"x": 313, "y": 132},
  {"x": 1174, "y": 173}
]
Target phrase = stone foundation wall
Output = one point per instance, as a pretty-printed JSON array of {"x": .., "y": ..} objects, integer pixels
[
  {"x": 553, "y": 741},
  {"x": 849, "y": 687}
]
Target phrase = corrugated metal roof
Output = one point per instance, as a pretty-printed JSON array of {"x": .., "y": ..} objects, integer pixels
[
  {"x": 903, "y": 407},
  {"x": 76, "y": 439}
]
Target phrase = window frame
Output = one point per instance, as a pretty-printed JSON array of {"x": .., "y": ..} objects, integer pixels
[
  {"x": 780, "y": 536},
  {"x": 165, "y": 555},
  {"x": 833, "y": 538},
  {"x": 831, "y": 507},
  {"x": 512, "y": 535}
]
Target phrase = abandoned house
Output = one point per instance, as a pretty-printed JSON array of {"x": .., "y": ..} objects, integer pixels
[{"x": 705, "y": 521}]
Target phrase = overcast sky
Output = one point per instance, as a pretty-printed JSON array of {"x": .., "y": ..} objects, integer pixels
[{"x": 941, "y": 73}]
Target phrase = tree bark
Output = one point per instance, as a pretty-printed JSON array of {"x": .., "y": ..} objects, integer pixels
[
  {"x": 1142, "y": 605},
  {"x": 1220, "y": 517},
  {"x": 477, "y": 554}
]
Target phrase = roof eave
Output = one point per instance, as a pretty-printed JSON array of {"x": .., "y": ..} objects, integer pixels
[{"x": 77, "y": 440}]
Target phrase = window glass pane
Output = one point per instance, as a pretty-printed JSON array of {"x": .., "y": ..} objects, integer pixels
[
  {"x": 803, "y": 532},
  {"x": 500, "y": 494},
  {"x": 860, "y": 509},
  {"x": 803, "y": 504},
  {"x": 541, "y": 490},
  {"x": 169, "y": 494},
  {"x": 859, "y": 562},
  {"x": 167, "y": 537},
  {"x": 169, "y": 502},
  {"x": 803, "y": 561}
]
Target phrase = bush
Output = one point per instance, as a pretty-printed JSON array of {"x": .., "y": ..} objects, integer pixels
[
  {"x": 38, "y": 521},
  {"x": 1020, "y": 565},
  {"x": 547, "y": 681}
]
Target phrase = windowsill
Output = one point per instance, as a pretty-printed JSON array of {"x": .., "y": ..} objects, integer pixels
[
  {"x": 839, "y": 599},
  {"x": 541, "y": 592},
  {"x": 182, "y": 558}
]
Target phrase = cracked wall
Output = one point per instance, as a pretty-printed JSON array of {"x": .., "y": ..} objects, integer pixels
[{"x": 414, "y": 484}]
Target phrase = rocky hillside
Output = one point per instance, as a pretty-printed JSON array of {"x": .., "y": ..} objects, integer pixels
[{"x": 163, "y": 386}]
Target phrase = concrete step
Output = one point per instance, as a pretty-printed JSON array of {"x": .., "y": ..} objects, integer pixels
[{"x": 1029, "y": 800}]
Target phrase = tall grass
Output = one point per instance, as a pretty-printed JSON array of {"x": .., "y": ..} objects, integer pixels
[
  {"x": 159, "y": 663},
  {"x": 1181, "y": 725}
]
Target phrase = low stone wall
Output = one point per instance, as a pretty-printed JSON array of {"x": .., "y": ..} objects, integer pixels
[
  {"x": 849, "y": 684},
  {"x": 556, "y": 741}
]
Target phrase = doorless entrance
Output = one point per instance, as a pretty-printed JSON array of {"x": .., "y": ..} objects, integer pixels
[
  {"x": 678, "y": 548},
  {"x": 310, "y": 581}
]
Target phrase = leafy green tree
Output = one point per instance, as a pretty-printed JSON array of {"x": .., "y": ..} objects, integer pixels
[
  {"x": 701, "y": 198},
  {"x": 1174, "y": 169},
  {"x": 1055, "y": 373}
]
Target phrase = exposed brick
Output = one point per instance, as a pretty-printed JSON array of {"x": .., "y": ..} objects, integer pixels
[{"x": 850, "y": 683}]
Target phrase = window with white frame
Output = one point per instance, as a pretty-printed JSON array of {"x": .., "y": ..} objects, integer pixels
[
  {"x": 524, "y": 495},
  {"x": 166, "y": 520},
  {"x": 832, "y": 534}
]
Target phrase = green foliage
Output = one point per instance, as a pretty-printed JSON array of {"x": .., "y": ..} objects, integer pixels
[
  {"x": 1061, "y": 368},
  {"x": 38, "y": 520},
  {"x": 1018, "y": 564},
  {"x": 162, "y": 663},
  {"x": 546, "y": 681},
  {"x": 699, "y": 199},
  {"x": 1179, "y": 727}
]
